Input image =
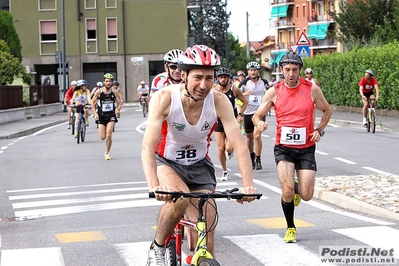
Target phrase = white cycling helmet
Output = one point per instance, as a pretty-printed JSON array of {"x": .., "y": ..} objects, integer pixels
[
  {"x": 253, "y": 64},
  {"x": 74, "y": 83},
  {"x": 370, "y": 72},
  {"x": 100, "y": 84},
  {"x": 172, "y": 56}
]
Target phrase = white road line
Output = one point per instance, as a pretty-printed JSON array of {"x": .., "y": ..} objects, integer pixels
[
  {"x": 69, "y": 187},
  {"x": 321, "y": 153},
  {"x": 376, "y": 171},
  {"x": 344, "y": 160},
  {"x": 325, "y": 207},
  {"x": 4, "y": 148},
  {"x": 270, "y": 249},
  {"x": 383, "y": 237},
  {"x": 32, "y": 257},
  {"x": 266, "y": 136},
  {"x": 62, "y": 194}
]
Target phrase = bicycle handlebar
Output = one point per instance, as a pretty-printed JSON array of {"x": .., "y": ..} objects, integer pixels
[{"x": 228, "y": 194}]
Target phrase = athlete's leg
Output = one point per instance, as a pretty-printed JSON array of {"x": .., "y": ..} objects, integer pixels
[
  {"x": 108, "y": 139},
  {"x": 220, "y": 141},
  {"x": 286, "y": 171}
]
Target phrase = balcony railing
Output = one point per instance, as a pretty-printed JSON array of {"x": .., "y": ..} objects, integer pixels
[
  {"x": 327, "y": 42},
  {"x": 276, "y": 2},
  {"x": 319, "y": 18},
  {"x": 282, "y": 23}
]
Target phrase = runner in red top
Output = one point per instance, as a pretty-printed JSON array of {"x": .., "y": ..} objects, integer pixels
[
  {"x": 67, "y": 100},
  {"x": 366, "y": 89},
  {"x": 294, "y": 100}
]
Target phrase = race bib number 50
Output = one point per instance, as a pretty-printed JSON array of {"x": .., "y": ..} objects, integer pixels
[{"x": 293, "y": 136}]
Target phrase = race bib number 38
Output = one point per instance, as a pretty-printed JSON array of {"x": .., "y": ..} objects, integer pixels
[{"x": 293, "y": 136}]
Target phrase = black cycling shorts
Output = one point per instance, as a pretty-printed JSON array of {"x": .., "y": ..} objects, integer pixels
[
  {"x": 368, "y": 94},
  {"x": 104, "y": 120},
  {"x": 249, "y": 125},
  {"x": 302, "y": 158}
]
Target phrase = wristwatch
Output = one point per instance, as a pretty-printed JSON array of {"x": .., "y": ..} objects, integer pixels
[
  {"x": 321, "y": 132},
  {"x": 241, "y": 114}
]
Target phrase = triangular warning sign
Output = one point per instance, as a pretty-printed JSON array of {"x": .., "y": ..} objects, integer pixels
[{"x": 303, "y": 40}]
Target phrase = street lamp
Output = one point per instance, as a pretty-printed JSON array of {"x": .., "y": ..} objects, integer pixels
[{"x": 63, "y": 50}]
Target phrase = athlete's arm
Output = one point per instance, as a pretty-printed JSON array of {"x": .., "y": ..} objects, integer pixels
[
  {"x": 94, "y": 103},
  {"x": 159, "y": 106},
  {"x": 267, "y": 103},
  {"x": 240, "y": 96},
  {"x": 322, "y": 104},
  {"x": 377, "y": 90},
  {"x": 118, "y": 101},
  {"x": 73, "y": 97}
]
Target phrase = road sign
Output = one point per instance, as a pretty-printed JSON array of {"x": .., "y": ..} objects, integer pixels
[
  {"x": 303, "y": 51},
  {"x": 303, "y": 40},
  {"x": 294, "y": 48}
]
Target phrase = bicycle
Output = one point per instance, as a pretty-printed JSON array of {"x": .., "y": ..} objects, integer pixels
[
  {"x": 370, "y": 117},
  {"x": 143, "y": 104},
  {"x": 73, "y": 120},
  {"x": 173, "y": 244},
  {"x": 81, "y": 128}
]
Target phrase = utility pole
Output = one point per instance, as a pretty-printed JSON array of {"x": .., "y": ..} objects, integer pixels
[
  {"x": 63, "y": 55},
  {"x": 248, "y": 44},
  {"x": 227, "y": 40}
]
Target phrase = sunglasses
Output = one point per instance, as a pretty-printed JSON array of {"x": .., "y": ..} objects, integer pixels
[{"x": 173, "y": 67}]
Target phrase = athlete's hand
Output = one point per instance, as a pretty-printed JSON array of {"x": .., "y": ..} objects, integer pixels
[
  {"x": 96, "y": 117},
  {"x": 247, "y": 190},
  {"x": 262, "y": 125},
  {"x": 161, "y": 197},
  {"x": 315, "y": 136}
]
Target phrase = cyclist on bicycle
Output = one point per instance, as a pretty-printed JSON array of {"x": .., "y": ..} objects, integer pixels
[
  {"x": 67, "y": 100},
  {"x": 175, "y": 145},
  {"x": 172, "y": 74},
  {"x": 81, "y": 97},
  {"x": 116, "y": 87},
  {"x": 143, "y": 91},
  {"x": 366, "y": 89}
]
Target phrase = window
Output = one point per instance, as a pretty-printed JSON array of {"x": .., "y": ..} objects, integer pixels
[
  {"x": 110, "y": 3},
  {"x": 304, "y": 10},
  {"x": 45, "y": 5},
  {"x": 111, "y": 28},
  {"x": 297, "y": 11},
  {"x": 91, "y": 29},
  {"x": 90, "y": 4},
  {"x": 48, "y": 31},
  {"x": 112, "y": 35}
]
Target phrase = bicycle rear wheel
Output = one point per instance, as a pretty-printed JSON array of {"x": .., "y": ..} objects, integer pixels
[
  {"x": 368, "y": 121},
  {"x": 73, "y": 124},
  {"x": 78, "y": 135},
  {"x": 170, "y": 255},
  {"x": 209, "y": 262},
  {"x": 144, "y": 109}
]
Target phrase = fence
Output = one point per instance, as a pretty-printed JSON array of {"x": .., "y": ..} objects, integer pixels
[{"x": 12, "y": 96}]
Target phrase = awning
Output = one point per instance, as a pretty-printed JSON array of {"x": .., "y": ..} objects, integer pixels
[
  {"x": 318, "y": 31},
  {"x": 279, "y": 11},
  {"x": 275, "y": 57}
]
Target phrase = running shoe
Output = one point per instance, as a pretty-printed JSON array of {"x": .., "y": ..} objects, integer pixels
[
  {"x": 69, "y": 126},
  {"x": 87, "y": 123},
  {"x": 225, "y": 176},
  {"x": 156, "y": 256},
  {"x": 364, "y": 121},
  {"x": 290, "y": 235},
  {"x": 229, "y": 156},
  {"x": 76, "y": 133},
  {"x": 258, "y": 165},
  {"x": 107, "y": 157},
  {"x": 297, "y": 197}
]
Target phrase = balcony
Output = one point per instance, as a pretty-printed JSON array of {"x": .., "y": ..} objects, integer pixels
[
  {"x": 282, "y": 23},
  {"x": 276, "y": 2},
  {"x": 320, "y": 18},
  {"x": 328, "y": 42}
]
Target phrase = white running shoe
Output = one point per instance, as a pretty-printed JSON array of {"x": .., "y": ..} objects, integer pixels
[
  {"x": 364, "y": 121},
  {"x": 225, "y": 176},
  {"x": 229, "y": 156},
  {"x": 156, "y": 256}
]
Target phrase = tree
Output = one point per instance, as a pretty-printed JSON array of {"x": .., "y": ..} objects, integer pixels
[
  {"x": 237, "y": 55},
  {"x": 361, "y": 22},
  {"x": 10, "y": 66},
  {"x": 9, "y": 34},
  {"x": 210, "y": 24}
]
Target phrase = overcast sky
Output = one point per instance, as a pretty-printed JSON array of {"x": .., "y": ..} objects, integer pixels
[{"x": 258, "y": 22}]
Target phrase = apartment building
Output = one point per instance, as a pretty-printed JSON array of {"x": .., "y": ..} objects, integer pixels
[
  {"x": 291, "y": 18},
  {"x": 125, "y": 38}
]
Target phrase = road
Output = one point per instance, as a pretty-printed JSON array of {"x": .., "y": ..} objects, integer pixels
[{"x": 62, "y": 204}]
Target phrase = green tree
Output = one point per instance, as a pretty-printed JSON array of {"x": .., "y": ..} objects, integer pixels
[
  {"x": 210, "y": 24},
  {"x": 9, "y": 34},
  {"x": 10, "y": 66},
  {"x": 361, "y": 23}
]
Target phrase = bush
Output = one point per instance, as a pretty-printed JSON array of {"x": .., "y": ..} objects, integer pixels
[{"x": 339, "y": 74}]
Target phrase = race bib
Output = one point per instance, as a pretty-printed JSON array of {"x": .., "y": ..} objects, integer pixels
[
  {"x": 254, "y": 100},
  {"x": 108, "y": 106},
  {"x": 293, "y": 136}
]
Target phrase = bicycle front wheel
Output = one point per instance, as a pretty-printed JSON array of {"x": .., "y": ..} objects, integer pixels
[
  {"x": 78, "y": 135},
  {"x": 73, "y": 124},
  {"x": 368, "y": 121},
  {"x": 170, "y": 255},
  {"x": 83, "y": 131},
  {"x": 209, "y": 262},
  {"x": 372, "y": 121},
  {"x": 144, "y": 109}
]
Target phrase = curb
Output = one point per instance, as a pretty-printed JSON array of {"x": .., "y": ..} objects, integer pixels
[
  {"x": 30, "y": 131},
  {"x": 353, "y": 204}
]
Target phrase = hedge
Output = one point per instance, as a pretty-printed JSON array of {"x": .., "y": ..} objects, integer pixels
[{"x": 339, "y": 74}]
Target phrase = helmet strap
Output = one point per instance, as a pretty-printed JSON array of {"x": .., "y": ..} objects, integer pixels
[{"x": 188, "y": 94}]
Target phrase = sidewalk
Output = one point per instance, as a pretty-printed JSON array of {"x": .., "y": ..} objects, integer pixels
[{"x": 326, "y": 189}]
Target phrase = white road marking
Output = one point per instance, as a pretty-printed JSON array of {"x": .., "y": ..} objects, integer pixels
[
  {"x": 321, "y": 153},
  {"x": 344, "y": 160},
  {"x": 266, "y": 136},
  {"x": 32, "y": 257},
  {"x": 4, "y": 147},
  {"x": 383, "y": 237},
  {"x": 270, "y": 249},
  {"x": 376, "y": 171}
]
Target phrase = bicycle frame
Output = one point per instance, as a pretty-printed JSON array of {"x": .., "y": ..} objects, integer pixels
[{"x": 371, "y": 117}]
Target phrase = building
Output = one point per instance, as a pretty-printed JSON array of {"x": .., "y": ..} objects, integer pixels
[
  {"x": 292, "y": 18},
  {"x": 125, "y": 38}
]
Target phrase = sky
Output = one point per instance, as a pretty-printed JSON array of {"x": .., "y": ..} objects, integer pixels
[{"x": 258, "y": 21}]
